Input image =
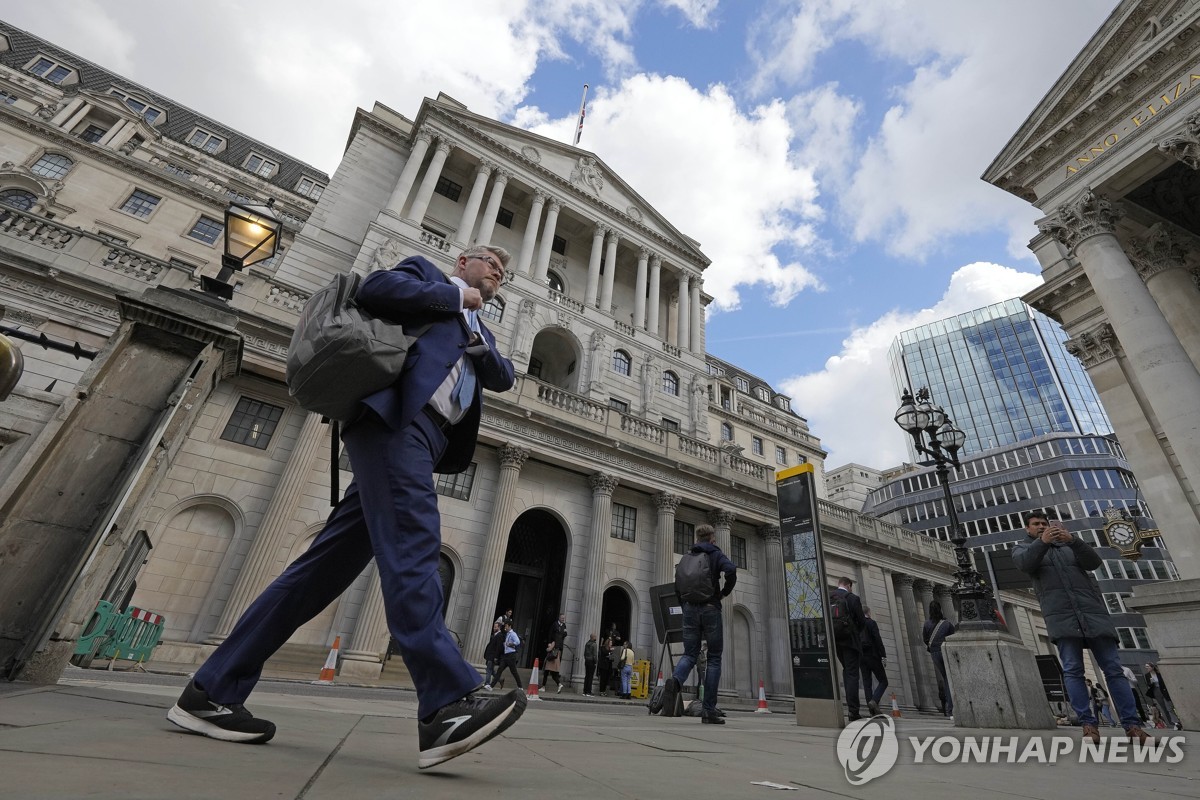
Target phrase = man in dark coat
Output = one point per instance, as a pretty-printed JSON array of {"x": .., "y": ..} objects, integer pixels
[
  {"x": 871, "y": 665},
  {"x": 849, "y": 647},
  {"x": 427, "y": 421},
  {"x": 1060, "y": 564}
]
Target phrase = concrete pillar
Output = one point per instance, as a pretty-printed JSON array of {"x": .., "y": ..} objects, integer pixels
[
  {"x": 1161, "y": 260},
  {"x": 898, "y": 652},
  {"x": 259, "y": 568},
  {"x": 525, "y": 259},
  {"x": 779, "y": 647},
  {"x": 491, "y": 566},
  {"x": 500, "y": 179},
  {"x": 467, "y": 223},
  {"x": 639, "y": 289},
  {"x": 696, "y": 328},
  {"x": 543, "y": 260},
  {"x": 593, "y": 276},
  {"x": 664, "y": 548},
  {"x": 944, "y": 596},
  {"x": 722, "y": 520},
  {"x": 682, "y": 316},
  {"x": 420, "y": 205},
  {"x": 610, "y": 271},
  {"x": 364, "y": 657},
  {"x": 653, "y": 301},
  {"x": 1157, "y": 361},
  {"x": 922, "y": 667},
  {"x": 420, "y": 146},
  {"x": 593, "y": 577}
]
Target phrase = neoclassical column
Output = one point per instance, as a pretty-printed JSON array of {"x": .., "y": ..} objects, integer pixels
[
  {"x": 593, "y": 578},
  {"x": 67, "y": 111},
  {"x": 664, "y": 549},
  {"x": 898, "y": 653},
  {"x": 779, "y": 647},
  {"x": 70, "y": 124},
  {"x": 525, "y": 259},
  {"x": 1161, "y": 259},
  {"x": 639, "y": 289},
  {"x": 593, "y": 276},
  {"x": 425, "y": 193},
  {"x": 653, "y": 301},
  {"x": 944, "y": 596},
  {"x": 500, "y": 179},
  {"x": 420, "y": 146},
  {"x": 697, "y": 315},
  {"x": 258, "y": 568},
  {"x": 1157, "y": 362},
  {"x": 722, "y": 520},
  {"x": 471, "y": 212},
  {"x": 113, "y": 132},
  {"x": 610, "y": 271},
  {"x": 370, "y": 639},
  {"x": 543, "y": 259},
  {"x": 491, "y": 566},
  {"x": 922, "y": 667},
  {"x": 682, "y": 316}
]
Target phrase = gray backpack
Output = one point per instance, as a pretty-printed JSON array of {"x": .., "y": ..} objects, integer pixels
[{"x": 340, "y": 354}]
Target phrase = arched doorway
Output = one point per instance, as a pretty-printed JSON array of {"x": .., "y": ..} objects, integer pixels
[
  {"x": 616, "y": 609},
  {"x": 555, "y": 359},
  {"x": 741, "y": 659},
  {"x": 532, "y": 583}
]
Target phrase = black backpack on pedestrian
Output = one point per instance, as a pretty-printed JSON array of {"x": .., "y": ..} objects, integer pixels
[
  {"x": 844, "y": 628},
  {"x": 694, "y": 579}
]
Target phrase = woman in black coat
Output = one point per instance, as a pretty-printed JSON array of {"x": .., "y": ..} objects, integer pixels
[{"x": 1156, "y": 690}]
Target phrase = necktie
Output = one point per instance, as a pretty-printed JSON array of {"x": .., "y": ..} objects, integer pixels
[{"x": 464, "y": 389}]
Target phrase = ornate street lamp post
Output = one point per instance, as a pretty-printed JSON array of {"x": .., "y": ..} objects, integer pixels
[
  {"x": 251, "y": 237},
  {"x": 935, "y": 436}
]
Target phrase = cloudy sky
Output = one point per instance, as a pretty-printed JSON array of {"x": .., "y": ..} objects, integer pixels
[{"x": 825, "y": 153}]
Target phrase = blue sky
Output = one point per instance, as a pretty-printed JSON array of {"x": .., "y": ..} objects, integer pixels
[{"x": 830, "y": 149}]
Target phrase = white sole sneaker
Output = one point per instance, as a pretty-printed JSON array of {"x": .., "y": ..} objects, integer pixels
[{"x": 196, "y": 725}]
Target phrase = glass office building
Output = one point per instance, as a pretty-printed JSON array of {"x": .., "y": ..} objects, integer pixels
[{"x": 1002, "y": 374}]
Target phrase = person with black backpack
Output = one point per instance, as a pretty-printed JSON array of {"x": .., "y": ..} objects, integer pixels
[
  {"x": 697, "y": 583},
  {"x": 846, "y": 615}
]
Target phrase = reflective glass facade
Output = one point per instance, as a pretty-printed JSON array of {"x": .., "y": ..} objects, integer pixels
[{"x": 1002, "y": 374}]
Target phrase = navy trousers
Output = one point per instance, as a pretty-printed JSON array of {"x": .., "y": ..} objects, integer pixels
[{"x": 389, "y": 513}]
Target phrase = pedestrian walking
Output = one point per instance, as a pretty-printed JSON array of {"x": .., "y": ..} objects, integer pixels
[
  {"x": 1131, "y": 679},
  {"x": 873, "y": 664},
  {"x": 508, "y": 661},
  {"x": 846, "y": 614},
  {"x": 936, "y": 629},
  {"x": 1156, "y": 690},
  {"x": 627, "y": 659},
  {"x": 590, "y": 655},
  {"x": 550, "y": 667},
  {"x": 1099, "y": 702},
  {"x": 604, "y": 665},
  {"x": 492, "y": 654}
]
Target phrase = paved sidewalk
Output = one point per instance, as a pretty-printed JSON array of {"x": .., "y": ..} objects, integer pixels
[{"x": 98, "y": 736}]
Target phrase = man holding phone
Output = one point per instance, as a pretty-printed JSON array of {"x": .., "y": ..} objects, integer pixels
[{"x": 1060, "y": 564}]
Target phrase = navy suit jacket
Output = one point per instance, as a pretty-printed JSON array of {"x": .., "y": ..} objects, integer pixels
[{"x": 416, "y": 293}]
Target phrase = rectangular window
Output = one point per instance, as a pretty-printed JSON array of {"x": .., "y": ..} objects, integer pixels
[
  {"x": 310, "y": 188},
  {"x": 50, "y": 70},
  {"x": 206, "y": 229},
  {"x": 493, "y": 310},
  {"x": 205, "y": 141},
  {"x": 670, "y": 424},
  {"x": 756, "y": 444},
  {"x": 457, "y": 485},
  {"x": 685, "y": 537},
  {"x": 448, "y": 188},
  {"x": 619, "y": 405},
  {"x": 140, "y": 204},
  {"x": 535, "y": 367},
  {"x": 624, "y": 522},
  {"x": 559, "y": 245},
  {"x": 739, "y": 557},
  {"x": 93, "y": 133},
  {"x": 261, "y": 166},
  {"x": 252, "y": 423},
  {"x": 780, "y": 456},
  {"x": 504, "y": 217},
  {"x": 7, "y": 99},
  {"x": 743, "y": 385}
]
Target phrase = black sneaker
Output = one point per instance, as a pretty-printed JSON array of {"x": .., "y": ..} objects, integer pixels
[
  {"x": 465, "y": 724},
  {"x": 872, "y": 707},
  {"x": 196, "y": 713},
  {"x": 712, "y": 718},
  {"x": 670, "y": 697}
]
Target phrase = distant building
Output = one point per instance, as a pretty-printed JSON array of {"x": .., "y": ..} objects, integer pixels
[{"x": 850, "y": 485}]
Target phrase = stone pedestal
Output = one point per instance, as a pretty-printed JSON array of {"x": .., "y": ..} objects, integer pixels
[
  {"x": 1172, "y": 612},
  {"x": 995, "y": 682}
]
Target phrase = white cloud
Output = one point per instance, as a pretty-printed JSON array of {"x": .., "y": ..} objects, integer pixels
[
  {"x": 698, "y": 12},
  {"x": 850, "y": 403},
  {"x": 751, "y": 207}
]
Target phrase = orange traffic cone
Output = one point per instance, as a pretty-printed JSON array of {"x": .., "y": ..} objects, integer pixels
[
  {"x": 532, "y": 692},
  {"x": 330, "y": 668},
  {"x": 762, "y": 699},
  {"x": 895, "y": 706}
]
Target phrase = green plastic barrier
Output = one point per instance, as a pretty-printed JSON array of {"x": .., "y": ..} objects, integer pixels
[
  {"x": 130, "y": 635},
  {"x": 96, "y": 631}
]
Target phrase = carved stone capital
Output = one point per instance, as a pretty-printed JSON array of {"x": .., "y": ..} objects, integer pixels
[
  {"x": 614, "y": 236},
  {"x": 423, "y": 134},
  {"x": 904, "y": 581},
  {"x": 501, "y": 177},
  {"x": 601, "y": 231},
  {"x": 445, "y": 144},
  {"x": 922, "y": 585},
  {"x": 655, "y": 261},
  {"x": 555, "y": 204},
  {"x": 1185, "y": 145},
  {"x": 603, "y": 484},
  {"x": 485, "y": 168},
  {"x": 643, "y": 254},
  {"x": 539, "y": 197},
  {"x": 512, "y": 455},
  {"x": 1086, "y": 216},
  {"x": 720, "y": 517},
  {"x": 941, "y": 592},
  {"x": 769, "y": 532},
  {"x": 1094, "y": 346},
  {"x": 1158, "y": 250},
  {"x": 667, "y": 502}
]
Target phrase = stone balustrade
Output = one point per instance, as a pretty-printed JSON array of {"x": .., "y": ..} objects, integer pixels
[
  {"x": 628, "y": 330},
  {"x": 572, "y": 403},
  {"x": 289, "y": 299},
  {"x": 135, "y": 265},
  {"x": 37, "y": 230},
  {"x": 558, "y": 298},
  {"x": 887, "y": 533},
  {"x": 643, "y": 429},
  {"x": 436, "y": 242},
  {"x": 670, "y": 349}
]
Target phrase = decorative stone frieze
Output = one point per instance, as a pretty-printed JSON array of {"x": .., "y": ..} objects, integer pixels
[
  {"x": 1094, "y": 346},
  {"x": 1158, "y": 250},
  {"x": 388, "y": 255},
  {"x": 530, "y": 152},
  {"x": 587, "y": 175},
  {"x": 1086, "y": 216}
]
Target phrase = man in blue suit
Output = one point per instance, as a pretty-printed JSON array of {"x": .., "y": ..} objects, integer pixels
[{"x": 426, "y": 422}]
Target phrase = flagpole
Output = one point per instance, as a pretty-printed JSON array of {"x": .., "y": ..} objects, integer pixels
[{"x": 582, "y": 104}]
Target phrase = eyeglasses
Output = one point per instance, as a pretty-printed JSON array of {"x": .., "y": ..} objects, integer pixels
[{"x": 493, "y": 265}]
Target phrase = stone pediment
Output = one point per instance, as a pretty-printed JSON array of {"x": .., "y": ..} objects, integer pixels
[
  {"x": 581, "y": 176},
  {"x": 1138, "y": 54}
]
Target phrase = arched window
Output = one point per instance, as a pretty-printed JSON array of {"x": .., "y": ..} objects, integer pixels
[
  {"x": 554, "y": 281},
  {"x": 493, "y": 309},
  {"x": 726, "y": 432},
  {"x": 622, "y": 363},
  {"x": 52, "y": 165},
  {"x": 18, "y": 199},
  {"x": 670, "y": 383}
]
